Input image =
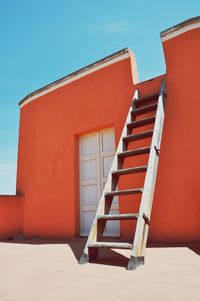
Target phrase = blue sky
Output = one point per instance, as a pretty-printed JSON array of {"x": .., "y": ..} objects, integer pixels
[{"x": 43, "y": 40}]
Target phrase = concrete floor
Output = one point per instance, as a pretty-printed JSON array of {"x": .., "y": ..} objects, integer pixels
[{"x": 42, "y": 270}]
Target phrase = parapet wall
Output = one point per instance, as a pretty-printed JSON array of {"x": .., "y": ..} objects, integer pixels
[{"x": 11, "y": 217}]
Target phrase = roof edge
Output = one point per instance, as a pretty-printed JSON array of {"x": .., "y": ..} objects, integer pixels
[
  {"x": 117, "y": 56},
  {"x": 180, "y": 28}
]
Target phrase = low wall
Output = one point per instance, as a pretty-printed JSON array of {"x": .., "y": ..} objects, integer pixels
[{"x": 11, "y": 216}]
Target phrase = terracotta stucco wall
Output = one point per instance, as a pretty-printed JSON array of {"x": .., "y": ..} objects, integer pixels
[
  {"x": 11, "y": 215},
  {"x": 177, "y": 196},
  {"x": 48, "y": 167},
  {"x": 48, "y": 145}
]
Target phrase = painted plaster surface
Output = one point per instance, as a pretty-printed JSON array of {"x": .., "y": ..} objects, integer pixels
[{"x": 48, "y": 152}]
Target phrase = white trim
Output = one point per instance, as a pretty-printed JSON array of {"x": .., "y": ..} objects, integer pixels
[
  {"x": 173, "y": 34},
  {"x": 71, "y": 79}
]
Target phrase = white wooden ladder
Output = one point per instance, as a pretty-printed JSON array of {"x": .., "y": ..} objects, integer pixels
[{"x": 153, "y": 103}]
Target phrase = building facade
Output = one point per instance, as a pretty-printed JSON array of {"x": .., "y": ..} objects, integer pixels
[{"x": 68, "y": 134}]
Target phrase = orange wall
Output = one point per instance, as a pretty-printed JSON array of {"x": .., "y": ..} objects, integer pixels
[
  {"x": 11, "y": 216},
  {"x": 48, "y": 148},
  {"x": 48, "y": 145},
  {"x": 177, "y": 197}
]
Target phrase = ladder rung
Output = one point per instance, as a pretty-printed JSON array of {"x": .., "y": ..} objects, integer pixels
[
  {"x": 146, "y": 99},
  {"x": 138, "y": 151},
  {"x": 124, "y": 192},
  {"x": 142, "y": 122},
  {"x": 112, "y": 217},
  {"x": 144, "y": 110},
  {"x": 114, "y": 245},
  {"x": 130, "y": 170},
  {"x": 138, "y": 136}
]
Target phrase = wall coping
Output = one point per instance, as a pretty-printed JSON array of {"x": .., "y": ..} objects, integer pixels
[
  {"x": 104, "y": 62},
  {"x": 180, "y": 28}
]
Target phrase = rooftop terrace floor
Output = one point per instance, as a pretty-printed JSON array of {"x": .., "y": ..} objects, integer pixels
[{"x": 48, "y": 271}]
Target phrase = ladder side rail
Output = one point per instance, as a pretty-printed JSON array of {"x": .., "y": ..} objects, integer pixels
[
  {"x": 108, "y": 186},
  {"x": 142, "y": 226},
  {"x": 155, "y": 147}
]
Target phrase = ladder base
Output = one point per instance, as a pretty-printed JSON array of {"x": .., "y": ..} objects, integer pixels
[
  {"x": 135, "y": 262},
  {"x": 90, "y": 257},
  {"x": 84, "y": 258}
]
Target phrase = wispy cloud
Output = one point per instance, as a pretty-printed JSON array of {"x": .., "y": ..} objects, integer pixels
[
  {"x": 115, "y": 27},
  {"x": 91, "y": 10},
  {"x": 104, "y": 22}
]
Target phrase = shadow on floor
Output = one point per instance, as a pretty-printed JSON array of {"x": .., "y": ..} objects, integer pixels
[
  {"x": 106, "y": 256},
  {"x": 110, "y": 257}
]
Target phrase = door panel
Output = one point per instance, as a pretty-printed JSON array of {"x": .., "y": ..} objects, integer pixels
[
  {"x": 107, "y": 161},
  {"x": 89, "y": 169},
  {"x": 108, "y": 140},
  {"x": 89, "y": 195},
  {"x": 96, "y": 156},
  {"x": 87, "y": 219},
  {"x": 89, "y": 145}
]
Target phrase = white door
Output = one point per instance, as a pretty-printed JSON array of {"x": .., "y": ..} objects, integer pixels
[{"x": 96, "y": 154}]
